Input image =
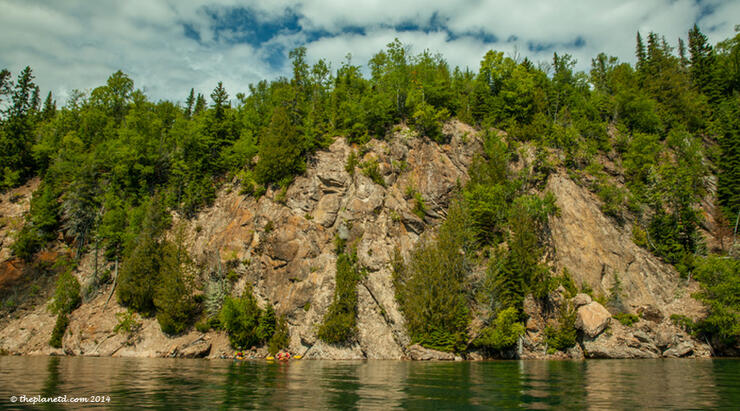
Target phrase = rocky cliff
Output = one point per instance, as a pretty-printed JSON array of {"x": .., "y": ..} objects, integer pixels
[{"x": 283, "y": 245}]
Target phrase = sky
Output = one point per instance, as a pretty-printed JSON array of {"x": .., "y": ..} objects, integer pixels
[{"x": 169, "y": 46}]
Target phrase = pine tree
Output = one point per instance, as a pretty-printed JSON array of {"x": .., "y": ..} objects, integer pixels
[
  {"x": 220, "y": 98},
  {"x": 190, "y": 103},
  {"x": 24, "y": 87},
  {"x": 267, "y": 324},
  {"x": 728, "y": 184},
  {"x": 4, "y": 83},
  {"x": 173, "y": 297},
  {"x": 240, "y": 319},
  {"x": 200, "y": 105},
  {"x": 35, "y": 100},
  {"x": 640, "y": 52},
  {"x": 50, "y": 108},
  {"x": 280, "y": 150},
  {"x": 140, "y": 274},
  {"x": 682, "y": 53},
  {"x": 702, "y": 63}
]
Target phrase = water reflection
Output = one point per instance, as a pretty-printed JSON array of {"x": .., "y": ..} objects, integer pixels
[
  {"x": 203, "y": 384},
  {"x": 51, "y": 384}
]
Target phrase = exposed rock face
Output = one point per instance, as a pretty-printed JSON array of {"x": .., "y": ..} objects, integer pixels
[
  {"x": 592, "y": 319},
  {"x": 284, "y": 248},
  {"x": 593, "y": 249},
  {"x": 14, "y": 204},
  {"x": 681, "y": 350},
  {"x": 643, "y": 340},
  {"x": 419, "y": 353}
]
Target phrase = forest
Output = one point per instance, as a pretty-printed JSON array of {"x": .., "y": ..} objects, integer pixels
[{"x": 115, "y": 165}]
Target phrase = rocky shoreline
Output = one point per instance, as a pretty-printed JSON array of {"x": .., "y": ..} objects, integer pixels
[{"x": 282, "y": 245}]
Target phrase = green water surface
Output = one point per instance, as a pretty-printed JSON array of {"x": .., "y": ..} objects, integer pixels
[{"x": 223, "y": 384}]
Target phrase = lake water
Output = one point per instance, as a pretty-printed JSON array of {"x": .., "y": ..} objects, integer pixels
[{"x": 122, "y": 383}]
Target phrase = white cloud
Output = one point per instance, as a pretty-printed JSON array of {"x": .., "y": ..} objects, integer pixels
[{"x": 78, "y": 44}]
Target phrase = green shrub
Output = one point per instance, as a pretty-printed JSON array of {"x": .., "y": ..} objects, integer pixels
[
  {"x": 503, "y": 333},
  {"x": 215, "y": 293},
  {"x": 27, "y": 243},
  {"x": 203, "y": 326},
  {"x": 41, "y": 225},
  {"x": 639, "y": 236},
  {"x": 339, "y": 324},
  {"x": 58, "y": 332},
  {"x": 428, "y": 121},
  {"x": 612, "y": 199},
  {"x": 683, "y": 322},
  {"x": 489, "y": 209},
  {"x": 267, "y": 324},
  {"x": 280, "y": 150},
  {"x": 626, "y": 319},
  {"x": 240, "y": 318},
  {"x": 564, "y": 336},
  {"x": 567, "y": 282},
  {"x": 173, "y": 298},
  {"x": 67, "y": 294},
  {"x": 280, "y": 196},
  {"x": 140, "y": 272},
  {"x": 127, "y": 323},
  {"x": 419, "y": 206},
  {"x": 720, "y": 287},
  {"x": 430, "y": 288},
  {"x": 232, "y": 276},
  {"x": 352, "y": 163},
  {"x": 371, "y": 170},
  {"x": 280, "y": 338}
]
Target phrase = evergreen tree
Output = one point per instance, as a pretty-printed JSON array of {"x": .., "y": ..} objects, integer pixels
[
  {"x": 728, "y": 184},
  {"x": 240, "y": 319},
  {"x": 682, "y": 53},
  {"x": 189, "y": 104},
  {"x": 50, "y": 108},
  {"x": 5, "y": 84},
  {"x": 640, "y": 52},
  {"x": 35, "y": 100},
  {"x": 200, "y": 105},
  {"x": 140, "y": 273},
  {"x": 267, "y": 324},
  {"x": 173, "y": 297},
  {"x": 220, "y": 99},
  {"x": 280, "y": 150},
  {"x": 16, "y": 137},
  {"x": 702, "y": 62},
  {"x": 80, "y": 207},
  {"x": 430, "y": 289}
]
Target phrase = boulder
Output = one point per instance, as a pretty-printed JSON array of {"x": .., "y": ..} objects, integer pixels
[
  {"x": 680, "y": 350},
  {"x": 650, "y": 313},
  {"x": 199, "y": 348},
  {"x": 326, "y": 210},
  {"x": 419, "y": 353},
  {"x": 581, "y": 299},
  {"x": 610, "y": 347},
  {"x": 592, "y": 319}
]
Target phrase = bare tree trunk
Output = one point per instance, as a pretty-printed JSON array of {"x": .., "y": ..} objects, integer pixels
[{"x": 115, "y": 282}]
